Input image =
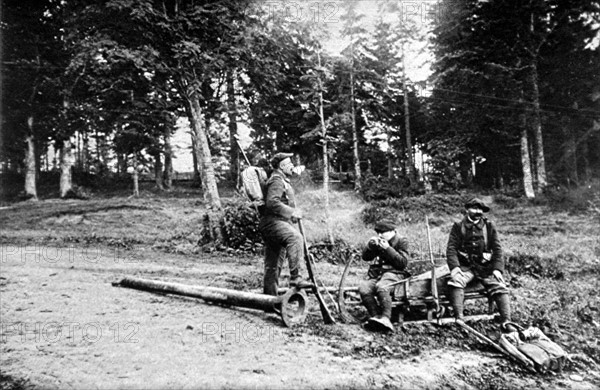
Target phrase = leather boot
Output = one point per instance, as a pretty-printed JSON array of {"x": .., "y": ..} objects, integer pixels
[
  {"x": 385, "y": 300},
  {"x": 371, "y": 305},
  {"x": 503, "y": 304},
  {"x": 457, "y": 299}
]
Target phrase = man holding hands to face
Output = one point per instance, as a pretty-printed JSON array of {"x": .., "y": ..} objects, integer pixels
[{"x": 389, "y": 253}]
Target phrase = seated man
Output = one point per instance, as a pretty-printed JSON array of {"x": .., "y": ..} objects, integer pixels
[
  {"x": 390, "y": 253},
  {"x": 474, "y": 252}
]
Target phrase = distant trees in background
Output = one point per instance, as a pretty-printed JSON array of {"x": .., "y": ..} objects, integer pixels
[
  {"x": 511, "y": 80},
  {"x": 514, "y": 99}
]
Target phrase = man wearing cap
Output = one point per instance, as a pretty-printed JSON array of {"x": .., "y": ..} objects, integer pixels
[
  {"x": 281, "y": 237},
  {"x": 390, "y": 255},
  {"x": 474, "y": 252}
]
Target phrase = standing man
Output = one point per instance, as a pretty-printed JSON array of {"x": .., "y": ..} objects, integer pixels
[
  {"x": 390, "y": 253},
  {"x": 281, "y": 237},
  {"x": 474, "y": 252}
]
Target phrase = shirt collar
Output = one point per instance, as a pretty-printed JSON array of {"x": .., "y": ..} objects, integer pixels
[
  {"x": 278, "y": 172},
  {"x": 469, "y": 224}
]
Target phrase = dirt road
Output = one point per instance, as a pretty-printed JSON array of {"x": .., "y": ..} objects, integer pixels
[{"x": 65, "y": 326}]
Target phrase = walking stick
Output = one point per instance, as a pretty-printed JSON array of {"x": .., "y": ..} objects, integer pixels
[
  {"x": 327, "y": 317},
  {"x": 434, "y": 291},
  {"x": 237, "y": 141}
]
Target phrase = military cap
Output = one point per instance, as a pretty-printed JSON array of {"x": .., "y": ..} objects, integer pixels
[
  {"x": 385, "y": 225},
  {"x": 477, "y": 203},
  {"x": 279, "y": 157}
]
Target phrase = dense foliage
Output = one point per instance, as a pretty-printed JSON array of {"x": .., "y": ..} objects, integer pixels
[{"x": 99, "y": 86}]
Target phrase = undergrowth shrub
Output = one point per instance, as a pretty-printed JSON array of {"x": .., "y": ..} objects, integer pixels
[
  {"x": 508, "y": 202},
  {"x": 412, "y": 208},
  {"x": 239, "y": 226},
  {"x": 378, "y": 188},
  {"x": 339, "y": 253},
  {"x": 236, "y": 227},
  {"x": 575, "y": 200},
  {"x": 536, "y": 266}
]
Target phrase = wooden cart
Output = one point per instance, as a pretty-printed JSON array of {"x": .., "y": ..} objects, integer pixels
[{"x": 413, "y": 296}]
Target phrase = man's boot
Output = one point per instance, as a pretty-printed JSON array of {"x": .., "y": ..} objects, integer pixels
[
  {"x": 382, "y": 323},
  {"x": 371, "y": 305},
  {"x": 503, "y": 303},
  {"x": 457, "y": 299},
  {"x": 385, "y": 300}
]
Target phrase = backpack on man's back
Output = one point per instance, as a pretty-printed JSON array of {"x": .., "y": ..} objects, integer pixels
[{"x": 254, "y": 185}]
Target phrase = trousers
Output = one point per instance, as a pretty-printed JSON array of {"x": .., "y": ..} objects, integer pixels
[
  {"x": 371, "y": 288},
  {"x": 282, "y": 241}
]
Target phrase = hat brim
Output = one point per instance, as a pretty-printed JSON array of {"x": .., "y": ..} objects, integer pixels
[{"x": 483, "y": 207}]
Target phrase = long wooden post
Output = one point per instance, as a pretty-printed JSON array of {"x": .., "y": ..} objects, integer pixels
[
  {"x": 434, "y": 290},
  {"x": 292, "y": 305}
]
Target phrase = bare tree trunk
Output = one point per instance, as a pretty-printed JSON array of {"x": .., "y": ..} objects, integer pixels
[
  {"x": 536, "y": 125},
  {"x": 78, "y": 150},
  {"x": 234, "y": 153},
  {"x": 136, "y": 187},
  {"x": 98, "y": 154},
  {"x": 66, "y": 163},
  {"x": 585, "y": 159},
  {"x": 410, "y": 165},
  {"x": 158, "y": 171},
  {"x": 202, "y": 152},
  {"x": 86, "y": 153},
  {"x": 390, "y": 157},
  {"x": 526, "y": 165},
  {"x": 325, "y": 158},
  {"x": 534, "y": 98},
  {"x": 197, "y": 179},
  {"x": 168, "y": 168},
  {"x": 30, "y": 170},
  {"x": 569, "y": 153},
  {"x": 121, "y": 164},
  {"x": 499, "y": 177},
  {"x": 356, "y": 154}
]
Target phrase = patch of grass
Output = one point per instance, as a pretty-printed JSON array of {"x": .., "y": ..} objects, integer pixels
[
  {"x": 507, "y": 202},
  {"x": 533, "y": 265},
  {"x": 411, "y": 209},
  {"x": 574, "y": 200}
]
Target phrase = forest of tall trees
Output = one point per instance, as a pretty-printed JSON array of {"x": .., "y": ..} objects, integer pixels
[{"x": 513, "y": 100}]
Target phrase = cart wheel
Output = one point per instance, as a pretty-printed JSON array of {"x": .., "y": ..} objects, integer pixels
[{"x": 351, "y": 308}]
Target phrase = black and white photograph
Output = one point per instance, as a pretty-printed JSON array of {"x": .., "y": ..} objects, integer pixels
[{"x": 300, "y": 194}]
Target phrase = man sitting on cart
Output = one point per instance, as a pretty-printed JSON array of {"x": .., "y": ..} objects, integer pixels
[
  {"x": 474, "y": 252},
  {"x": 389, "y": 253}
]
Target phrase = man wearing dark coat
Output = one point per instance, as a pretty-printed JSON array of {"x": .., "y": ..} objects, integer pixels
[
  {"x": 474, "y": 252},
  {"x": 281, "y": 237},
  {"x": 389, "y": 253}
]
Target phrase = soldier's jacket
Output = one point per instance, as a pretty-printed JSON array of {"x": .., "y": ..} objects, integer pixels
[
  {"x": 279, "y": 201},
  {"x": 393, "y": 259},
  {"x": 467, "y": 247}
]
